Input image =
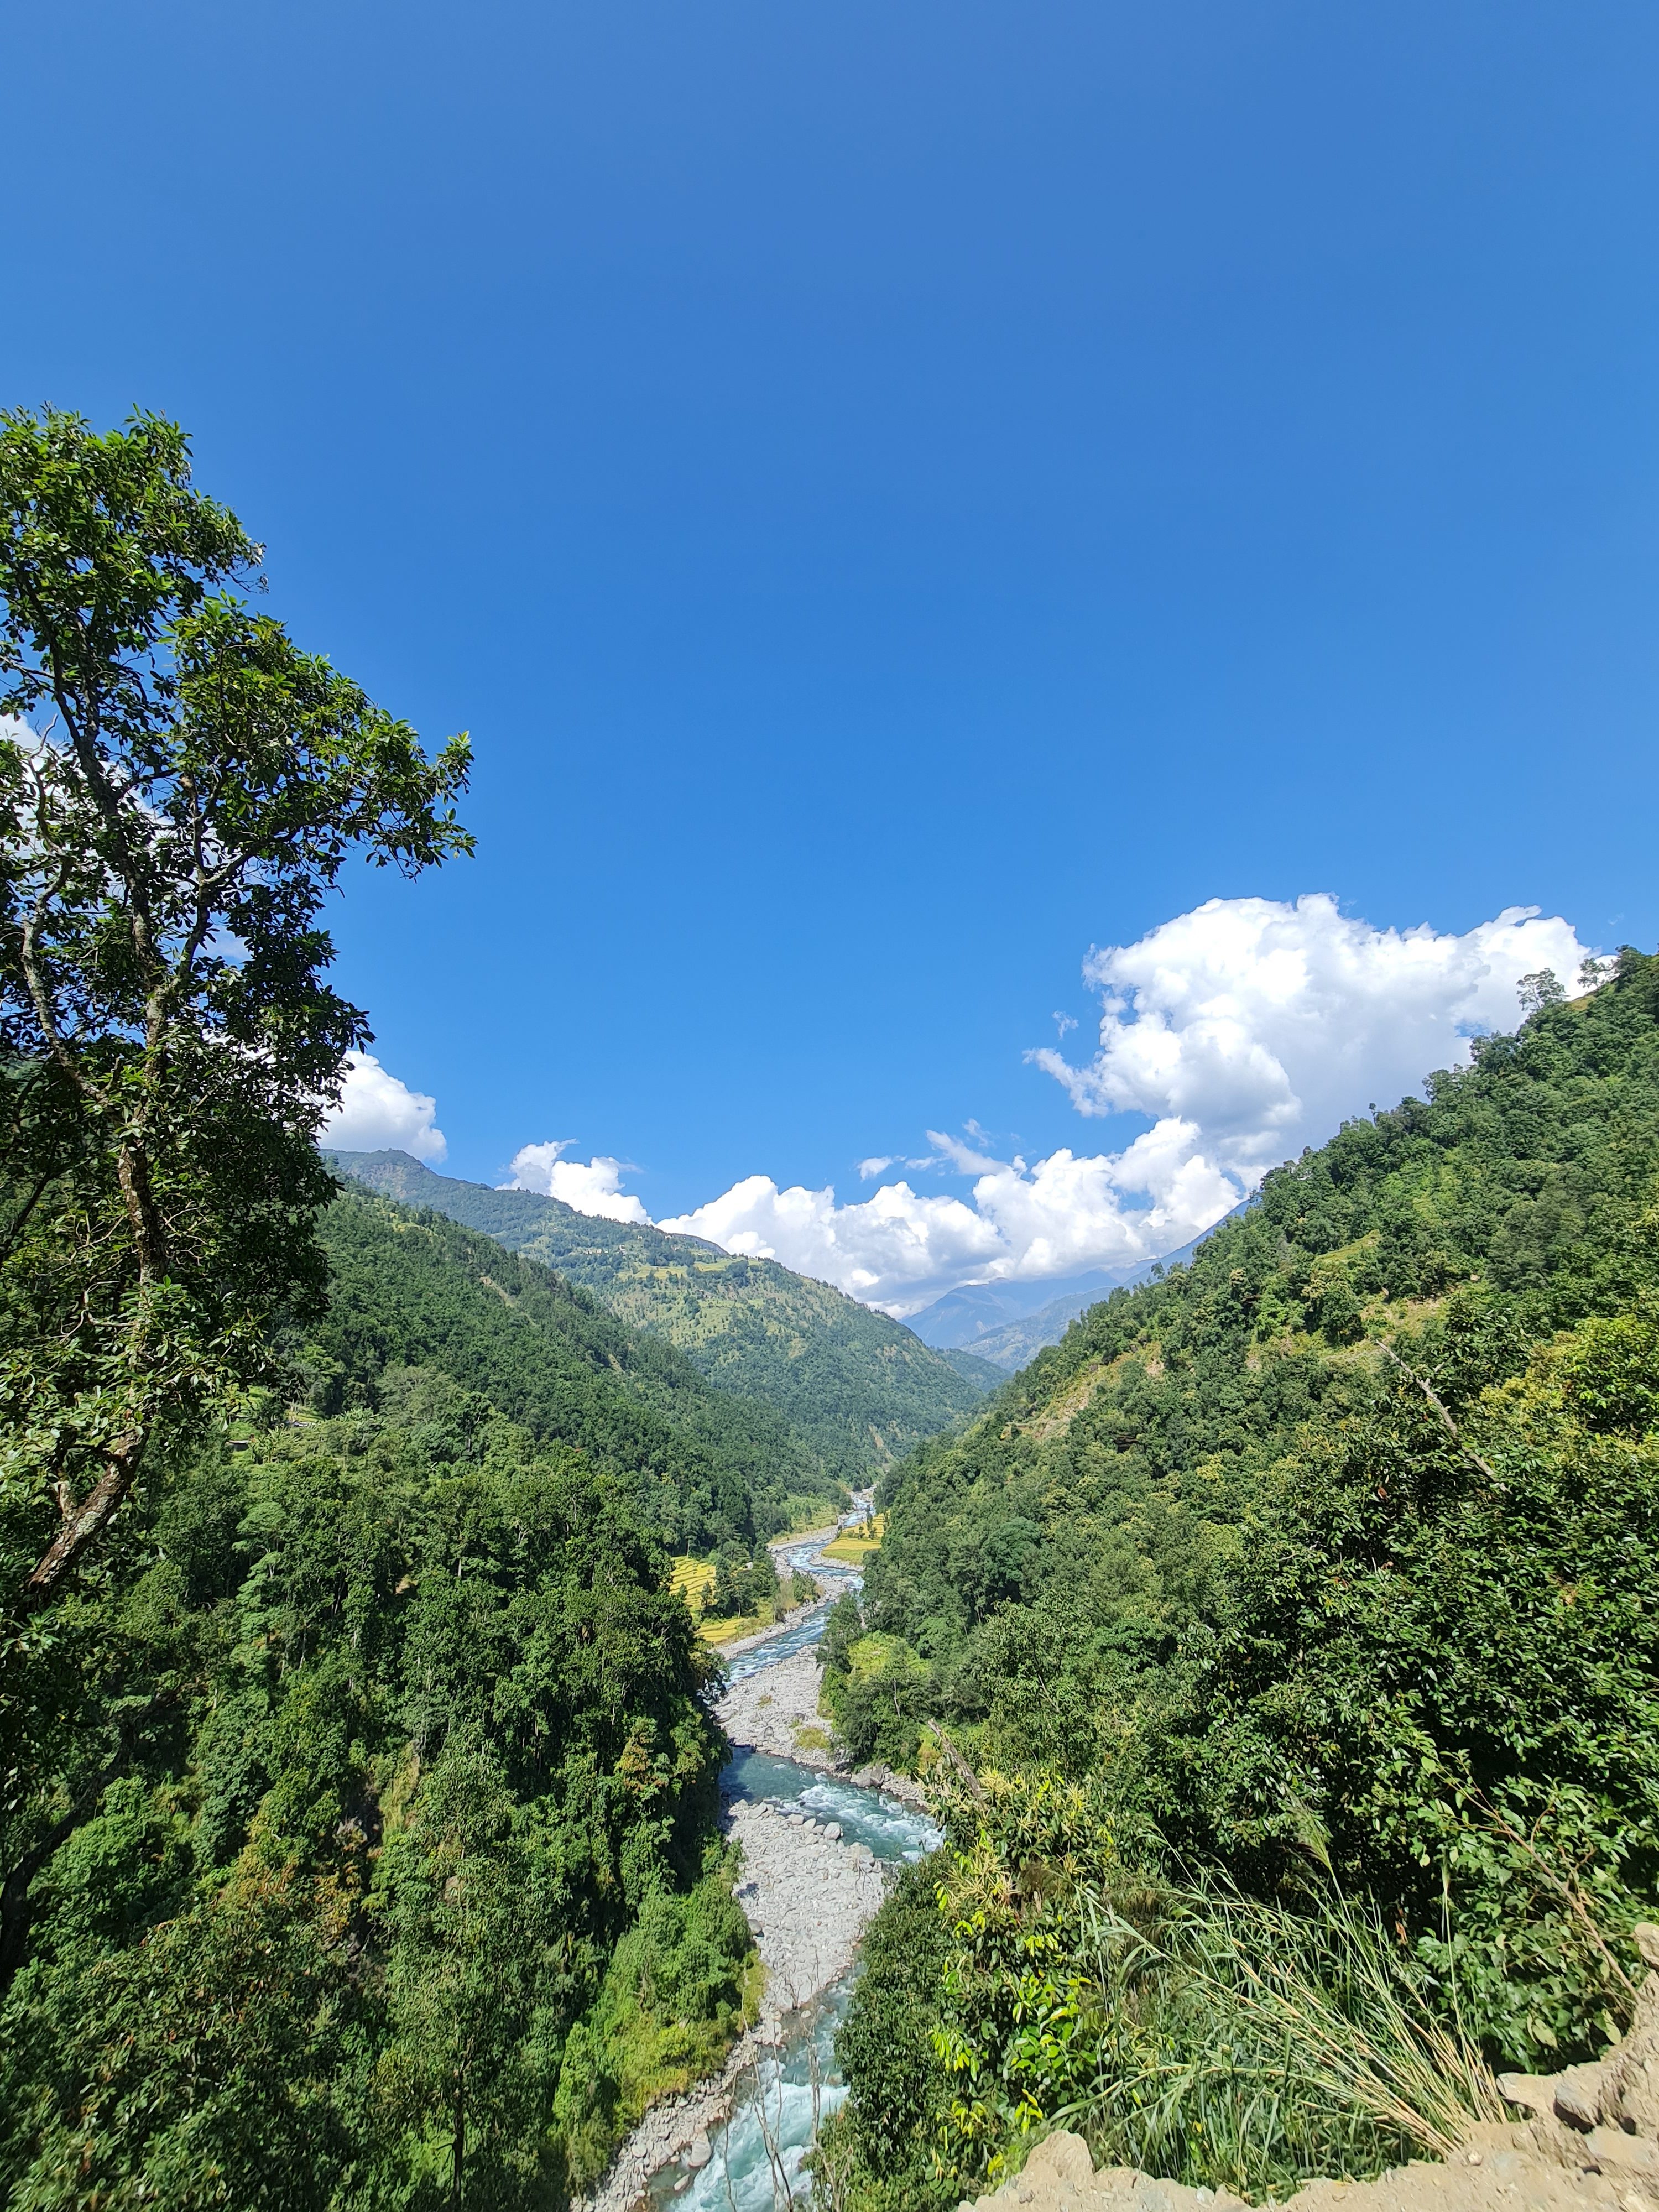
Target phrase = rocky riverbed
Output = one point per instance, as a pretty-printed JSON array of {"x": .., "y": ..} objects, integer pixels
[
  {"x": 809, "y": 1888},
  {"x": 777, "y": 1711},
  {"x": 808, "y": 1894}
]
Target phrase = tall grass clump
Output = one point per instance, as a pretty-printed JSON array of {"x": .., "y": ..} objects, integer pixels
[{"x": 1250, "y": 2046}]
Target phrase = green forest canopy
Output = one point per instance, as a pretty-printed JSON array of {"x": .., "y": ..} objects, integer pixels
[
  {"x": 368, "y": 1796},
  {"x": 702, "y": 1466}
]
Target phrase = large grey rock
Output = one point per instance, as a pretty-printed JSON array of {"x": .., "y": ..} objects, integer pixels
[{"x": 1580, "y": 2092}]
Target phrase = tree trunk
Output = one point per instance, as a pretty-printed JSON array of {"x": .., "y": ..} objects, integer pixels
[{"x": 83, "y": 1524}]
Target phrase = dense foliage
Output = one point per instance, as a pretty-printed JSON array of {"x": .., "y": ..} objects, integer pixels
[
  {"x": 1332, "y": 1555},
  {"x": 371, "y": 1818},
  {"x": 860, "y": 1389}
]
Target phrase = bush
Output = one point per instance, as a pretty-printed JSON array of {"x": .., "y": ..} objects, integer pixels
[
  {"x": 1182, "y": 2028},
  {"x": 677, "y": 1993},
  {"x": 879, "y": 2147},
  {"x": 741, "y": 1585}
]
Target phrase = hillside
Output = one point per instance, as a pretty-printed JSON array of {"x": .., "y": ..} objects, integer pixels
[
  {"x": 980, "y": 1372},
  {"x": 414, "y": 1291},
  {"x": 965, "y": 1318},
  {"x": 1334, "y": 1554},
  {"x": 863, "y": 1390},
  {"x": 1504, "y": 1203},
  {"x": 363, "y": 1800}
]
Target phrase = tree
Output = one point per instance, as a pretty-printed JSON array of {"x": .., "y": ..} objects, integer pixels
[
  {"x": 180, "y": 788},
  {"x": 470, "y": 1961},
  {"x": 1543, "y": 988}
]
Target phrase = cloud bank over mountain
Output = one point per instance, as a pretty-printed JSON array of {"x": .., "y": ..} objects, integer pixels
[
  {"x": 1263, "y": 1024},
  {"x": 377, "y": 1113},
  {"x": 1240, "y": 1032},
  {"x": 589, "y": 1186}
]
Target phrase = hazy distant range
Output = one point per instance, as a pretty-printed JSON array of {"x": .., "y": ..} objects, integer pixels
[{"x": 1009, "y": 1323}]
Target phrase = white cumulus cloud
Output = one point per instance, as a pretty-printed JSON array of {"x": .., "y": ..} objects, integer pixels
[
  {"x": 1263, "y": 1023},
  {"x": 377, "y": 1113},
  {"x": 901, "y": 1248},
  {"x": 1241, "y": 1031},
  {"x": 875, "y": 1251},
  {"x": 590, "y": 1186}
]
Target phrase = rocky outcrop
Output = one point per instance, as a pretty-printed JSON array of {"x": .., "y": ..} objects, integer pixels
[
  {"x": 1621, "y": 2091},
  {"x": 1501, "y": 2169},
  {"x": 904, "y": 1787}
]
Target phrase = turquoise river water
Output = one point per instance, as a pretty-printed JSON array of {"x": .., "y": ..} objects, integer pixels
[{"x": 756, "y": 2165}]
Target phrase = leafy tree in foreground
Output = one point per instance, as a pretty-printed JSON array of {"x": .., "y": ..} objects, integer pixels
[{"x": 180, "y": 788}]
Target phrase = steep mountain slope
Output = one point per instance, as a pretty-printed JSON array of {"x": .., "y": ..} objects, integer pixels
[
  {"x": 1308, "y": 1596},
  {"x": 964, "y": 1318},
  {"x": 862, "y": 1389},
  {"x": 1511, "y": 1193},
  {"x": 980, "y": 1372},
  {"x": 415, "y": 1291}
]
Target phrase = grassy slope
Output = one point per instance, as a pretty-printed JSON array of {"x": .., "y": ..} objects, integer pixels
[{"x": 863, "y": 1389}]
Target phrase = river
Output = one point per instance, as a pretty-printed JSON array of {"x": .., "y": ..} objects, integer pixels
[{"x": 754, "y": 2160}]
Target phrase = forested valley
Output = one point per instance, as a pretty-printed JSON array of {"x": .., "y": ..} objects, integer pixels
[
  {"x": 394, "y": 1771},
  {"x": 1277, "y": 1649},
  {"x": 860, "y": 1390},
  {"x": 1283, "y": 1644}
]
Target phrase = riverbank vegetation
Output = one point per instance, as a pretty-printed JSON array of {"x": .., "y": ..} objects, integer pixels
[{"x": 1301, "y": 1604}]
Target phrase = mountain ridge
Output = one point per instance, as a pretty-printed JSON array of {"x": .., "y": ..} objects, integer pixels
[
  {"x": 962, "y": 1320},
  {"x": 414, "y": 1294},
  {"x": 862, "y": 1388}
]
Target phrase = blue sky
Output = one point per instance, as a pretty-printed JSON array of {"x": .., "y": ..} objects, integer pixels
[{"x": 900, "y": 494}]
